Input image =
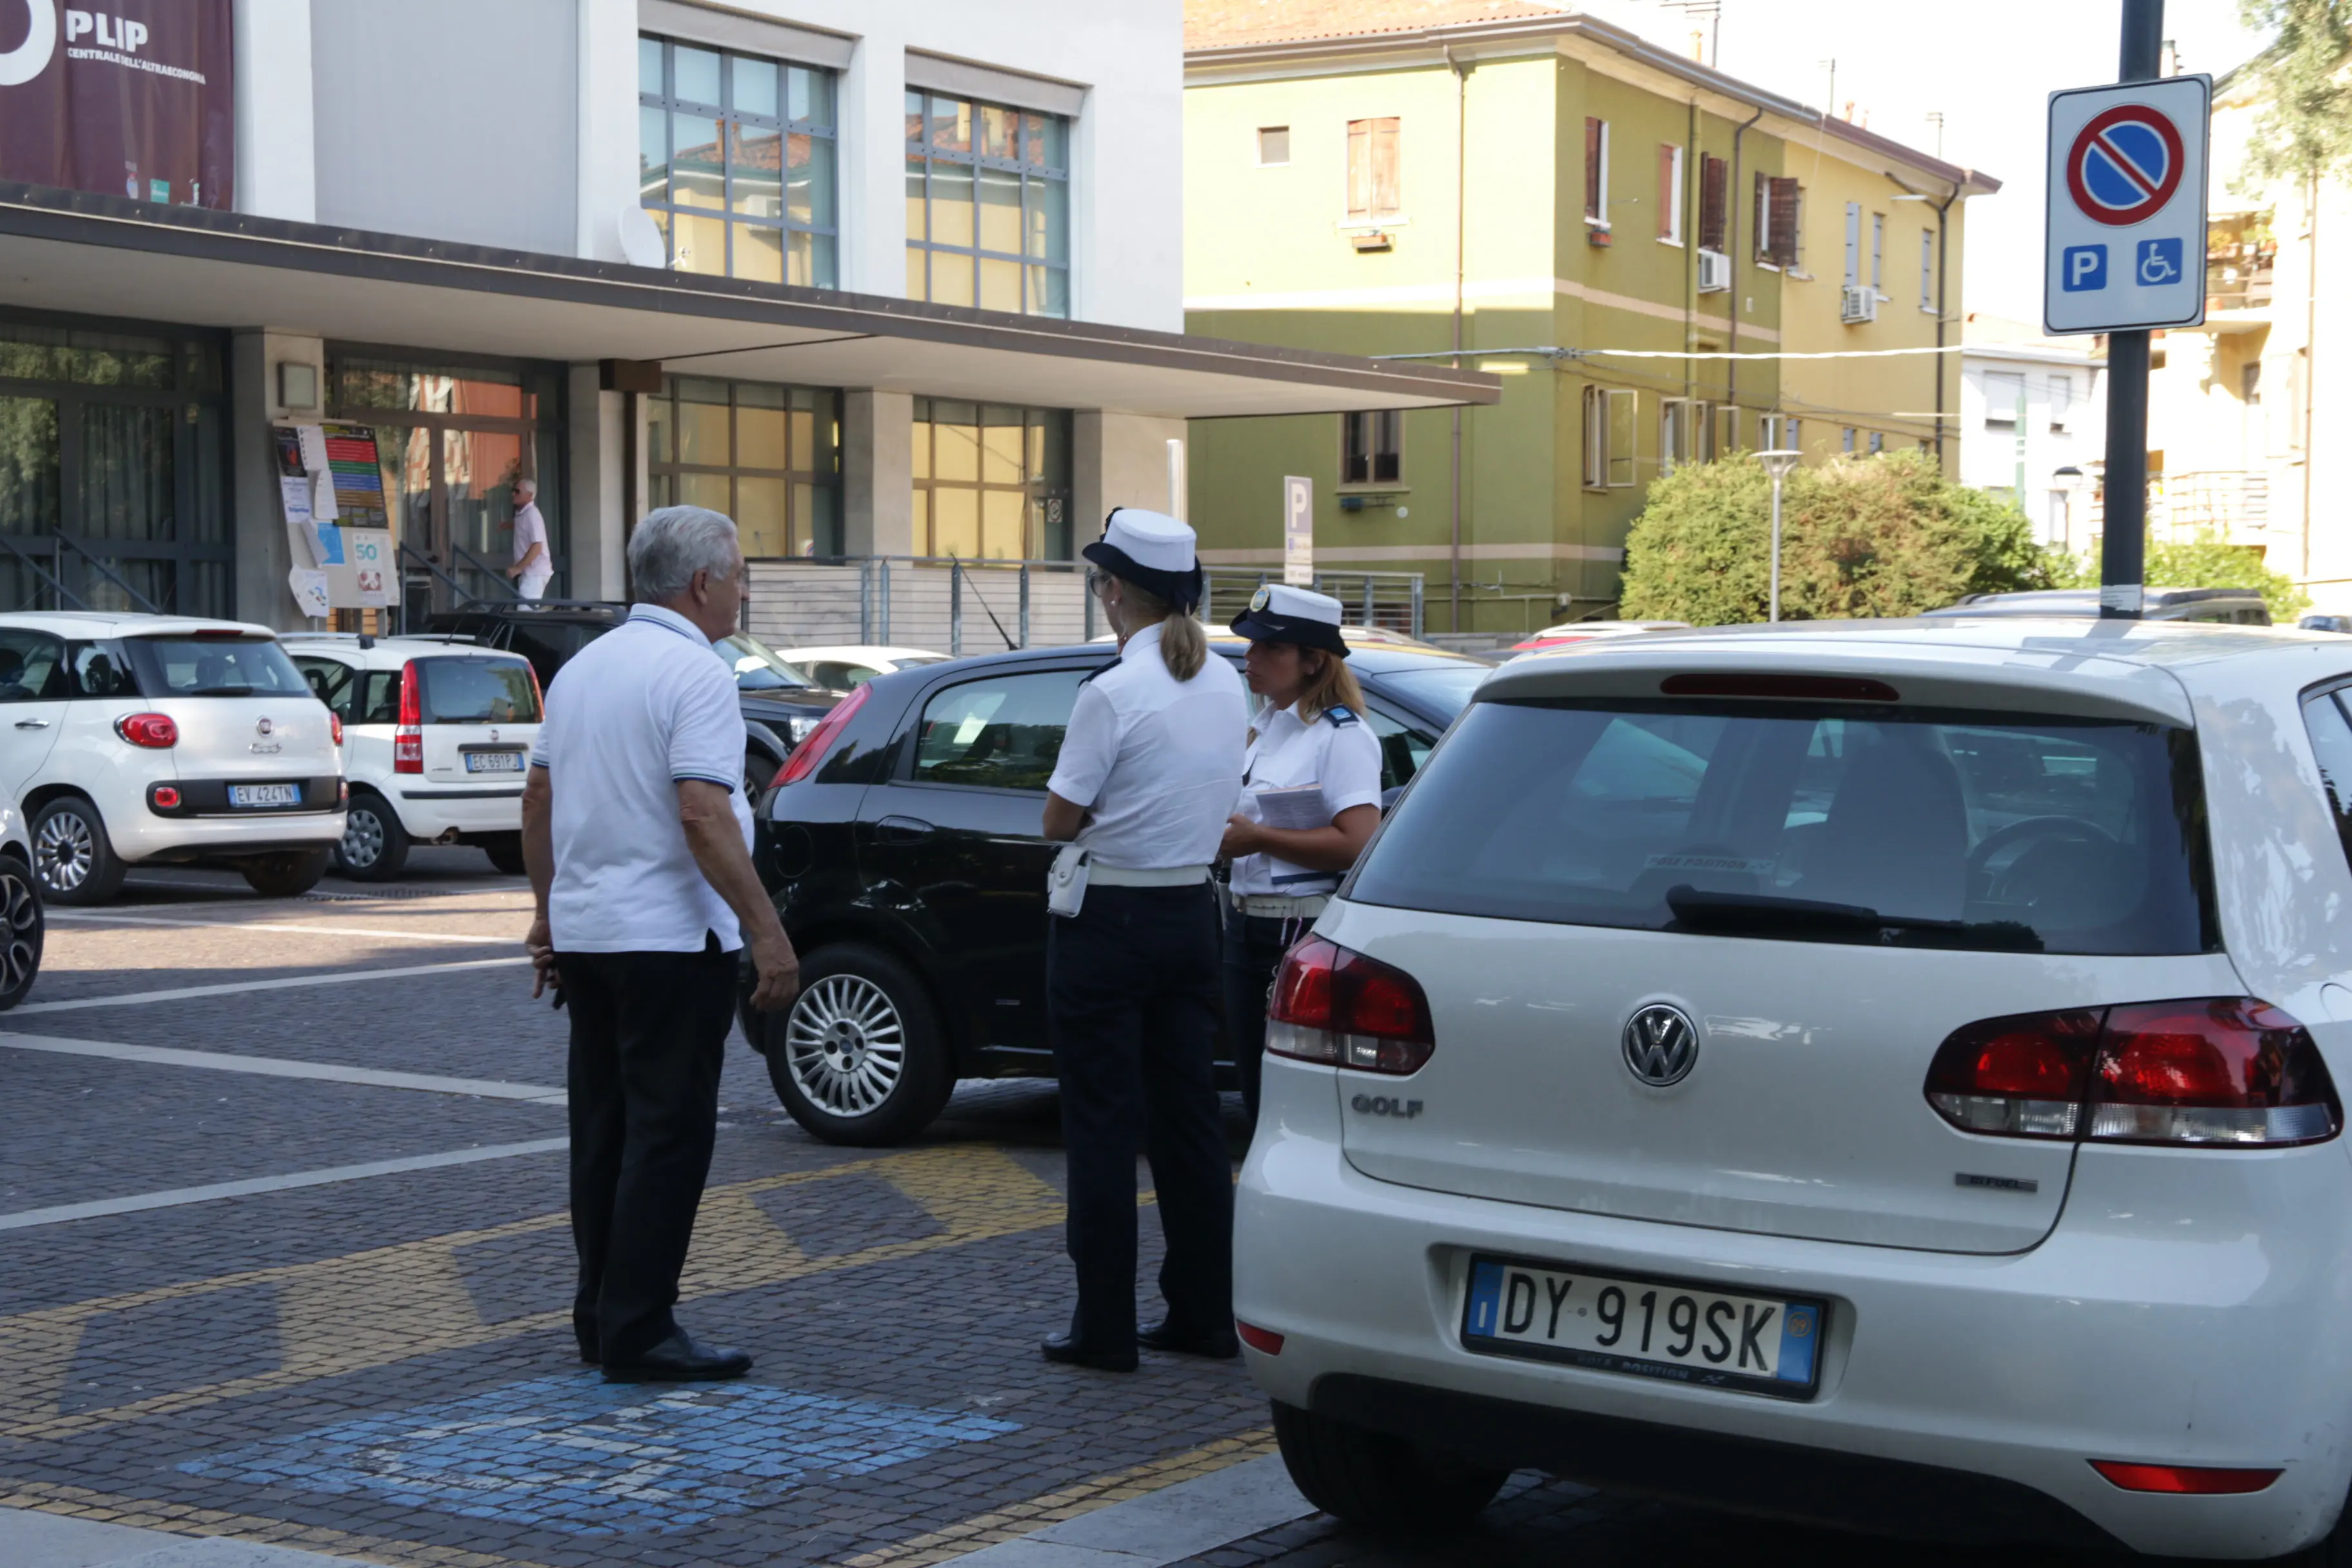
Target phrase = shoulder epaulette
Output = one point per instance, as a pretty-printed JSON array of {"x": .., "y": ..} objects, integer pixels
[
  {"x": 1341, "y": 715},
  {"x": 1100, "y": 669}
]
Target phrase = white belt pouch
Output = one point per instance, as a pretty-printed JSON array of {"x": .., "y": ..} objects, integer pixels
[{"x": 1065, "y": 883}]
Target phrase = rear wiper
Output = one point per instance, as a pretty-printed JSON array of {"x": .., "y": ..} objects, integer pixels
[
  {"x": 221, "y": 691},
  {"x": 1770, "y": 913}
]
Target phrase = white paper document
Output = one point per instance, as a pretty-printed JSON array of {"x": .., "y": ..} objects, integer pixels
[{"x": 1295, "y": 810}]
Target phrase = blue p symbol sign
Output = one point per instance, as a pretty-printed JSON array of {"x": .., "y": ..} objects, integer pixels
[{"x": 2084, "y": 266}]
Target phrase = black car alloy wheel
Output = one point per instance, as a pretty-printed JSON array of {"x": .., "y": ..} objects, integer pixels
[{"x": 22, "y": 928}]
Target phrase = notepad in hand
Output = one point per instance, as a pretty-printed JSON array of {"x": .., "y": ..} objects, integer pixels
[{"x": 1295, "y": 810}]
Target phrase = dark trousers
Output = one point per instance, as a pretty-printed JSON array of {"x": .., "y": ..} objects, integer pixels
[
  {"x": 1254, "y": 949},
  {"x": 1131, "y": 985},
  {"x": 648, "y": 1037}
]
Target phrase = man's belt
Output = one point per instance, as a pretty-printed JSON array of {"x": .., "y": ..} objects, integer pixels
[{"x": 1102, "y": 875}]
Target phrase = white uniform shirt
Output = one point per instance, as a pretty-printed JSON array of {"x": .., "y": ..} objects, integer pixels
[
  {"x": 1159, "y": 762},
  {"x": 648, "y": 703},
  {"x": 530, "y": 528},
  {"x": 1341, "y": 755}
]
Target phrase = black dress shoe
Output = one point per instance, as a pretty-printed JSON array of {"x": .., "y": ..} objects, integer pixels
[
  {"x": 1070, "y": 1351},
  {"x": 679, "y": 1359},
  {"x": 1217, "y": 1344}
]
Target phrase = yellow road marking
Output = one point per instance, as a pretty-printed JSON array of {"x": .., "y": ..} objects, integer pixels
[{"x": 385, "y": 1305}]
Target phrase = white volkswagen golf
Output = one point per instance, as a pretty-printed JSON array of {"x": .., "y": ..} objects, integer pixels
[{"x": 1884, "y": 1076}]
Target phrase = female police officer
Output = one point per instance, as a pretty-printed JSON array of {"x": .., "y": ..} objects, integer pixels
[
  {"x": 1149, "y": 771},
  {"x": 1311, "y": 800}
]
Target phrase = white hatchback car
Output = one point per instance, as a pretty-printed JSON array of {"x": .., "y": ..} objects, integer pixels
[
  {"x": 133, "y": 739},
  {"x": 1883, "y": 1075},
  {"x": 437, "y": 737},
  {"x": 842, "y": 667},
  {"x": 22, "y": 923}
]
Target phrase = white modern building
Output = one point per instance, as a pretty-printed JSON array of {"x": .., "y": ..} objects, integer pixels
[
  {"x": 895, "y": 278},
  {"x": 2033, "y": 422}
]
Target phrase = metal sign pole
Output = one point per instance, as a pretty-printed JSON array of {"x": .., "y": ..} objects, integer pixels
[{"x": 2123, "y": 548}]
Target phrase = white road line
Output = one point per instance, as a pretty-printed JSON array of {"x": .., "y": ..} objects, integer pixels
[
  {"x": 235, "y": 988},
  {"x": 278, "y": 925},
  {"x": 24, "y": 1218},
  {"x": 280, "y": 1066},
  {"x": 1157, "y": 1528}
]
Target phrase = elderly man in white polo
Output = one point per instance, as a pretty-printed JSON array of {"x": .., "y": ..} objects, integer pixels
[{"x": 638, "y": 839}]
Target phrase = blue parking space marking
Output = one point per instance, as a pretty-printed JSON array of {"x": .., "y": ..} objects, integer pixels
[
  {"x": 1799, "y": 1332},
  {"x": 577, "y": 1454}
]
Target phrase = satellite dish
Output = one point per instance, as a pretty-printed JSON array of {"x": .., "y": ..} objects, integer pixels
[{"x": 640, "y": 238}]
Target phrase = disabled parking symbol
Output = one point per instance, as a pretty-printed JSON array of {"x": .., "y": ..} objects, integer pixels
[
  {"x": 2084, "y": 267},
  {"x": 2159, "y": 262}
]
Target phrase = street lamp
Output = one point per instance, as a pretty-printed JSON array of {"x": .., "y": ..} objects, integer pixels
[{"x": 1777, "y": 463}]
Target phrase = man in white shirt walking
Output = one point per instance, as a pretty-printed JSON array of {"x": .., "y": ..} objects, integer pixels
[
  {"x": 638, "y": 839},
  {"x": 533, "y": 567}
]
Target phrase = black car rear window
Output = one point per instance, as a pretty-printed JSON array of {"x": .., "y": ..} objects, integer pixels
[
  {"x": 462, "y": 691},
  {"x": 1975, "y": 830}
]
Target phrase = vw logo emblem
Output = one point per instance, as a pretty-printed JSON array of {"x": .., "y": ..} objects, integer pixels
[
  {"x": 261, "y": 726},
  {"x": 1661, "y": 1045}
]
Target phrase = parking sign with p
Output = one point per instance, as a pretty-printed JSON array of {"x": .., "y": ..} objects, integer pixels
[{"x": 2125, "y": 246}]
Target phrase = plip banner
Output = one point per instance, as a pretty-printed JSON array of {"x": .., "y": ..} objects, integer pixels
[{"x": 136, "y": 100}]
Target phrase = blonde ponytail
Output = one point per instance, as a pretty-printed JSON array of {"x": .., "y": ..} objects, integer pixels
[{"x": 1183, "y": 643}]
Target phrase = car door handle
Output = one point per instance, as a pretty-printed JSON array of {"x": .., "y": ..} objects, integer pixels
[
  {"x": 32, "y": 723},
  {"x": 903, "y": 830}
]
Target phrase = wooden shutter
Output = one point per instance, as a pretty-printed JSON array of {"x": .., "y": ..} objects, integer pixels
[
  {"x": 1714, "y": 202},
  {"x": 1759, "y": 217},
  {"x": 1386, "y": 201},
  {"x": 1359, "y": 171},
  {"x": 1593, "y": 137},
  {"x": 1783, "y": 226},
  {"x": 1622, "y": 416}
]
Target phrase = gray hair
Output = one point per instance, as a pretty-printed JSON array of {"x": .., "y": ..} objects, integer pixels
[
  {"x": 672, "y": 545},
  {"x": 527, "y": 483}
]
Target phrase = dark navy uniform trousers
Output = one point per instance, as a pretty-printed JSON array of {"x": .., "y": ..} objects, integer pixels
[{"x": 1132, "y": 996}]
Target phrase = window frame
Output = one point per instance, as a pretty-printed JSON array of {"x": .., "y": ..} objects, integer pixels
[
  {"x": 1878, "y": 255},
  {"x": 1365, "y": 137},
  {"x": 1039, "y": 272},
  {"x": 1048, "y": 496},
  {"x": 1596, "y": 172},
  {"x": 2006, "y": 419},
  {"x": 910, "y": 770},
  {"x": 1853, "y": 244},
  {"x": 665, "y": 476},
  {"x": 1713, "y": 205},
  {"x": 825, "y": 254},
  {"x": 1670, "y": 194},
  {"x": 1263, "y": 132},
  {"x": 1378, "y": 421},
  {"x": 1608, "y": 412},
  {"x": 1928, "y": 270}
]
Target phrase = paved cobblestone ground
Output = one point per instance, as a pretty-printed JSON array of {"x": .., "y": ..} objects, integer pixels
[{"x": 381, "y": 1368}]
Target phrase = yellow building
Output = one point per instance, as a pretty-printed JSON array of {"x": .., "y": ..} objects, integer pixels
[{"x": 1626, "y": 235}]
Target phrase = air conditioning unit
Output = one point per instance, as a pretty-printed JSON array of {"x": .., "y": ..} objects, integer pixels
[
  {"x": 1713, "y": 272},
  {"x": 1859, "y": 303}
]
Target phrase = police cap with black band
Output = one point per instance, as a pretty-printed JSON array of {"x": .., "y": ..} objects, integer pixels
[
  {"x": 1153, "y": 551},
  {"x": 1279, "y": 613}
]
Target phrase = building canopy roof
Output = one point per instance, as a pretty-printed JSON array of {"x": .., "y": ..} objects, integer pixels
[
  {"x": 107, "y": 256},
  {"x": 1218, "y": 24}
]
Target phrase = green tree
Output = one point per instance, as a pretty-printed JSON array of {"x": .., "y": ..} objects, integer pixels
[
  {"x": 2205, "y": 561},
  {"x": 2304, "y": 129},
  {"x": 1887, "y": 535}
]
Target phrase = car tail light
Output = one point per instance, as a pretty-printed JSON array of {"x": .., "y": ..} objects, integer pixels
[
  {"x": 538, "y": 694},
  {"x": 408, "y": 738},
  {"x": 1332, "y": 1004},
  {"x": 335, "y": 727},
  {"x": 811, "y": 751},
  {"x": 2196, "y": 1480},
  {"x": 166, "y": 798},
  {"x": 156, "y": 731},
  {"x": 1258, "y": 1339},
  {"x": 2223, "y": 1070}
]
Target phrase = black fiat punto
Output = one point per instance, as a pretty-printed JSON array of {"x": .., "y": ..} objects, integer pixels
[{"x": 902, "y": 847}]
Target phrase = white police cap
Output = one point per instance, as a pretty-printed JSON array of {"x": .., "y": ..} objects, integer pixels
[
  {"x": 1280, "y": 613},
  {"x": 1151, "y": 549}
]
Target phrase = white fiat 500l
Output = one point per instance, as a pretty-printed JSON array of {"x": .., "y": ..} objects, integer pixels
[
  {"x": 1883, "y": 1075},
  {"x": 134, "y": 739},
  {"x": 437, "y": 733}
]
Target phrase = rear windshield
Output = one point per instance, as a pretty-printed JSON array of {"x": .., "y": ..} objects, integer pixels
[
  {"x": 757, "y": 667},
  {"x": 1983, "y": 831},
  {"x": 477, "y": 691},
  {"x": 214, "y": 667}
]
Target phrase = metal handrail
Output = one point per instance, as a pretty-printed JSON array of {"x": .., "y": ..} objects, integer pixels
[
  {"x": 496, "y": 574},
  {"x": 46, "y": 575},
  {"x": 141, "y": 600},
  {"x": 65, "y": 594}
]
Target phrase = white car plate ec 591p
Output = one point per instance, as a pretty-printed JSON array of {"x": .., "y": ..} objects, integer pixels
[
  {"x": 494, "y": 761},
  {"x": 1667, "y": 1329}
]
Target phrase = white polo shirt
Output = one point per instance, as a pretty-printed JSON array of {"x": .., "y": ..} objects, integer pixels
[
  {"x": 1342, "y": 754},
  {"x": 646, "y": 705},
  {"x": 1157, "y": 761}
]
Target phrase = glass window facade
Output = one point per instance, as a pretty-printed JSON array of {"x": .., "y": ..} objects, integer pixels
[
  {"x": 991, "y": 483},
  {"x": 736, "y": 161},
  {"x": 113, "y": 472},
  {"x": 988, "y": 205},
  {"x": 452, "y": 440},
  {"x": 769, "y": 457}
]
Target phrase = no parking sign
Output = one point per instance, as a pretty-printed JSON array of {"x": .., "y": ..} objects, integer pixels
[{"x": 2125, "y": 245}]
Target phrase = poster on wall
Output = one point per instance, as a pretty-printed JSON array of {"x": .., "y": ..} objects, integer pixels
[
  {"x": 331, "y": 491},
  {"x": 134, "y": 101}
]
